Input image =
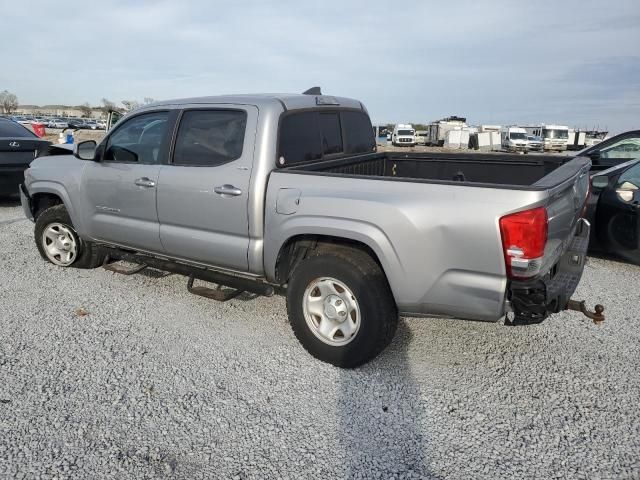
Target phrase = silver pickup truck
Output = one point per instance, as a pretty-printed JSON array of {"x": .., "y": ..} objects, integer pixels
[{"x": 287, "y": 194}]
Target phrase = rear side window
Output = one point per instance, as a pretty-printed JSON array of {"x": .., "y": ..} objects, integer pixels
[
  {"x": 9, "y": 128},
  {"x": 299, "y": 139},
  {"x": 358, "y": 133},
  {"x": 210, "y": 137},
  {"x": 331, "y": 133}
]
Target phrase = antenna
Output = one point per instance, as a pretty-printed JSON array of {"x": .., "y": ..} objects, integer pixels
[{"x": 312, "y": 91}]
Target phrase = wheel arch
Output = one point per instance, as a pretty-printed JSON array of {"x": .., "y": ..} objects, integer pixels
[
  {"x": 298, "y": 246},
  {"x": 47, "y": 194}
]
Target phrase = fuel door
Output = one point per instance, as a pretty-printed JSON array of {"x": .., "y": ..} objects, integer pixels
[{"x": 288, "y": 201}]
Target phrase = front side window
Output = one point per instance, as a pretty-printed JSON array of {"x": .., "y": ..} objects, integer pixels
[
  {"x": 210, "y": 137},
  {"x": 139, "y": 139}
]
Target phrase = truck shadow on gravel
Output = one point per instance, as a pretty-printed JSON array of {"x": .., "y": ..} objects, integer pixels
[{"x": 380, "y": 417}]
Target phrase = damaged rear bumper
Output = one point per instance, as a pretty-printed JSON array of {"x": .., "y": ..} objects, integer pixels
[{"x": 533, "y": 300}]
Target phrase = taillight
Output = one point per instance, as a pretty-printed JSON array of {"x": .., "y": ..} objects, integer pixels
[{"x": 524, "y": 236}]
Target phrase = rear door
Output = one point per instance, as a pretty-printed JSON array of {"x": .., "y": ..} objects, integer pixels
[
  {"x": 618, "y": 216},
  {"x": 203, "y": 193},
  {"x": 120, "y": 188}
]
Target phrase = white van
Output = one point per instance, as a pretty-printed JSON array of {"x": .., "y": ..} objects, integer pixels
[
  {"x": 514, "y": 139},
  {"x": 403, "y": 135}
]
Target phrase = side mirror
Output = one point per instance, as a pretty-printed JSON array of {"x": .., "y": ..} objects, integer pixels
[
  {"x": 595, "y": 155},
  {"x": 85, "y": 150},
  {"x": 600, "y": 181}
]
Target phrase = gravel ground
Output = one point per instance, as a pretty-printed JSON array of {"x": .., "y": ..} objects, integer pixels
[{"x": 106, "y": 376}]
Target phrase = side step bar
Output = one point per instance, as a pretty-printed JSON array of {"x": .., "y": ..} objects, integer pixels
[
  {"x": 219, "y": 294},
  {"x": 238, "y": 284}
]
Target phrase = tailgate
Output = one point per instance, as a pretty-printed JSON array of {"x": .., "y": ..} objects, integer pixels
[{"x": 568, "y": 189}]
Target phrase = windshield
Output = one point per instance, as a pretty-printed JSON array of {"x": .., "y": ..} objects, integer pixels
[
  {"x": 405, "y": 132},
  {"x": 553, "y": 133},
  {"x": 517, "y": 136}
]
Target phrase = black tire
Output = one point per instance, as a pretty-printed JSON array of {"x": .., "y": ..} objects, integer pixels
[
  {"x": 362, "y": 275},
  {"x": 89, "y": 255}
]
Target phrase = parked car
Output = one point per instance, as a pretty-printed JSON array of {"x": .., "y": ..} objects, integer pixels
[
  {"x": 535, "y": 143},
  {"x": 101, "y": 124},
  {"x": 91, "y": 124},
  {"x": 614, "y": 211},
  {"x": 614, "y": 207},
  {"x": 22, "y": 120},
  {"x": 57, "y": 123},
  {"x": 18, "y": 147},
  {"x": 296, "y": 200},
  {"x": 76, "y": 123}
]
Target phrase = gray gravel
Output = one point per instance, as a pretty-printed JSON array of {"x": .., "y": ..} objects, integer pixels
[{"x": 154, "y": 382}]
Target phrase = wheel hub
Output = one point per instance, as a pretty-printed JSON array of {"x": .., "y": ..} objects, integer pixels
[
  {"x": 331, "y": 311},
  {"x": 335, "y": 308},
  {"x": 59, "y": 244}
]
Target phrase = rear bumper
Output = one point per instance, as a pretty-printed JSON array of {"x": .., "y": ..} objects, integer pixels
[
  {"x": 534, "y": 300},
  {"x": 25, "y": 200}
]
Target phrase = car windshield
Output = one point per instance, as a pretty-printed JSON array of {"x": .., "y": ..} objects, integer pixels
[
  {"x": 517, "y": 136},
  {"x": 555, "y": 133},
  {"x": 405, "y": 132}
]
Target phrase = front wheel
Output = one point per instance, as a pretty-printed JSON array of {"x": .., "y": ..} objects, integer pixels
[
  {"x": 340, "y": 306},
  {"x": 58, "y": 242}
]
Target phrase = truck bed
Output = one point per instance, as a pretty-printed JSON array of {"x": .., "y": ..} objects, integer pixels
[{"x": 504, "y": 170}]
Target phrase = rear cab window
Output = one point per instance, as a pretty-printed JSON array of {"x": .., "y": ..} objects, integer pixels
[
  {"x": 315, "y": 135},
  {"x": 9, "y": 128}
]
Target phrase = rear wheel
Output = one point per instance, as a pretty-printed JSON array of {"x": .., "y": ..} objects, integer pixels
[
  {"x": 58, "y": 242},
  {"x": 340, "y": 306}
]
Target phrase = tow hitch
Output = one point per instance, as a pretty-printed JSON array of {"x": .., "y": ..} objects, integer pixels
[{"x": 579, "y": 306}]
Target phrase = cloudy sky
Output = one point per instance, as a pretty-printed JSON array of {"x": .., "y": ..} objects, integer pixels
[{"x": 570, "y": 62}]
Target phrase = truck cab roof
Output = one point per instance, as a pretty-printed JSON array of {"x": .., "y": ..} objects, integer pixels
[{"x": 288, "y": 101}]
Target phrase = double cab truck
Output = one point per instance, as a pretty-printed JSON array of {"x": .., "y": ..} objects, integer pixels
[{"x": 287, "y": 194}]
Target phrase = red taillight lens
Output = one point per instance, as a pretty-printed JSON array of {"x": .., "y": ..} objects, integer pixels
[{"x": 524, "y": 236}]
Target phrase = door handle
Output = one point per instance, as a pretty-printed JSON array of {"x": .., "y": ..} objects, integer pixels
[
  {"x": 227, "y": 190},
  {"x": 145, "y": 182}
]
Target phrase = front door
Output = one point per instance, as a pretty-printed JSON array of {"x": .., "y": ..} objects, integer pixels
[
  {"x": 618, "y": 216},
  {"x": 120, "y": 187},
  {"x": 203, "y": 193}
]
